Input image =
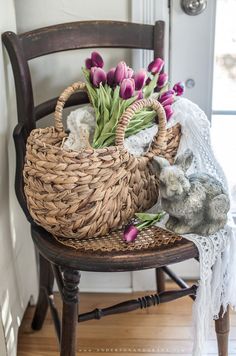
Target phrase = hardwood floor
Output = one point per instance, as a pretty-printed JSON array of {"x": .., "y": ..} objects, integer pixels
[{"x": 164, "y": 330}]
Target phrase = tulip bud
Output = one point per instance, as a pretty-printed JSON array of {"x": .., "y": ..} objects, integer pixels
[
  {"x": 179, "y": 88},
  {"x": 166, "y": 95},
  {"x": 130, "y": 233},
  {"x": 148, "y": 81},
  {"x": 88, "y": 63},
  {"x": 121, "y": 72},
  {"x": 97, "y": 60},
  {"x": 140, "y": 78},
  {"x": 127, "y": 88},
  {"x": 130, "y": 72},
  {"x": 156, "y": 66},
  {"x": 162, "y": 80},
  {"x": 97, "y": 76},
  {"x": 168, "y": 101},
  {"x": 169, "y": 111},
  {"x": 140, "y": 95},
  {"x": 110, "y": 77}
]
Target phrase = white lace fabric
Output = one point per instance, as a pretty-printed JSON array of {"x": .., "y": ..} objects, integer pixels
[{"x": 217, "y": 253}]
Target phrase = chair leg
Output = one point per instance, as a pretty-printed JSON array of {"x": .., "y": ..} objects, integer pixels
[
  {"x": 222, "y": 332},
  {"x": 70, "y": 295},
  {"x": 46, "y": 280},
  {"x": 160, "y": 280}
]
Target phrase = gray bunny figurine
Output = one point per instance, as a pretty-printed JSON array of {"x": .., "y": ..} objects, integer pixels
[{"x": 196, "y": 203}]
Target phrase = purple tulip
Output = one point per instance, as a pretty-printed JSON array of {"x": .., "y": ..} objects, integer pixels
[
  {"x": 162, "y": 80},
  {"x": 97, "y": 60},
  {"x": 156, "y": 66},
  {"x": 98, "y": 76},
  {"x": 130, "y": 233},
  {"x": 121, "y": 72},
  {"x": 179, "y": 88},
  {"x": 168, "y": 101},
  {"x": 148, "y": 81},
  {"x": 166, "y": 95},
  {"x": 127, "y": 88},
  {"x": 130, "y": 72},
  {"x": 110, "y": 77},
  {"x": 169, "y": 111},
  {"x": 140, "y": 78},
  {"x": 140, "y": 95},
  {"x": 88, "y": 63}
]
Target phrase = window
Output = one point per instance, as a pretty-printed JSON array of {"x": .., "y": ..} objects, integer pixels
[{"x": 224, "y": 93}]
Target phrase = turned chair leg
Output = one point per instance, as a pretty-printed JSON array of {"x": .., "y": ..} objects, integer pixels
[
  {"x": 222, "y": 332},
  {"x": 160, "y": 280},
  {"x": 46, "y": 279},
  {"x": 70, "y": 296}
]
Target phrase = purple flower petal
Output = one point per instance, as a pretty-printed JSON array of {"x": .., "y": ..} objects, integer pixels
[
  {"x": 127, "y": 88},
  {"x": 156, "y": 66},
  {"x": 166, "y": 95},
  {"x": 162, "y": 80},
  {"x": 97, "y": 76},
  {"x": 130, "y": 233},
  {"x": 88, "y": 63},
  {"x": 111, "y": 77},
  {"x": 169, "y": 111},
  {"x": 121, "y": 72},
  {"x": 148, "y": 81},
  {"x": 179, "y": 88},
  {"x": 168, "y": 101},
  {"x": 140, "y": 95},
  {"x": 130, "y": 72},
  {"x": 140, "y": 79},
  {"x": 97, "y": 60}
]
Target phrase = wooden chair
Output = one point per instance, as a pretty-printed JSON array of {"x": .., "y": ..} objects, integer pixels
[{"x": 56, "y": 260}]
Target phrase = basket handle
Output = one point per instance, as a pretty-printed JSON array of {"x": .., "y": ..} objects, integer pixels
[
  {"x": 61, "y": 103},
  {"x": 160, "y": 140}
]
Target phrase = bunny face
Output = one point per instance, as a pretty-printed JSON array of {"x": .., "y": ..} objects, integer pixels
[{"x": 173, "y": 183}]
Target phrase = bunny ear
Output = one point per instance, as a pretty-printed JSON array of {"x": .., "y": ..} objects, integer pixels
[
  {"x": 185, "y": 160},
  {"x": 158, "y": 163}
]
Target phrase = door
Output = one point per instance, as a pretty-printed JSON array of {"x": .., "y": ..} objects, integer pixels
[
  {"x": 205, "y": 59},
  {"x": 190, "y": 57},
  {"x": 224, "y": 93}
]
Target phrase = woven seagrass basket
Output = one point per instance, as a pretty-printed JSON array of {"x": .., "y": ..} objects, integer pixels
[{"x": 88, "y": 193}]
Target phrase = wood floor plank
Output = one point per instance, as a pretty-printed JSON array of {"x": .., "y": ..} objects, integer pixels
[{"x": 164, "y": 330}]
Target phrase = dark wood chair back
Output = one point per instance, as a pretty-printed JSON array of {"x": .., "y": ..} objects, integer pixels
[{"x": 76, "y": 35}]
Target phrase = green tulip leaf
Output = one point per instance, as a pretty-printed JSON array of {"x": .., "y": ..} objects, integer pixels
[
  {"x": 149, "y": 89},
  {"x": 148, "y": 217}
]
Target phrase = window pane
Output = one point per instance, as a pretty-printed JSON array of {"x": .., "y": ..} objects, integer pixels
[
  {"x": 224, "y": 145},
  {"x": 224, "y": 88}
]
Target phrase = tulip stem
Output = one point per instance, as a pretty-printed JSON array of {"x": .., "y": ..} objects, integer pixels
[{"x": 150, "y": 222}]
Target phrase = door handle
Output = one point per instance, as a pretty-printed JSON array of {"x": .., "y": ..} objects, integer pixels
[{"x": 193, "y": 7}]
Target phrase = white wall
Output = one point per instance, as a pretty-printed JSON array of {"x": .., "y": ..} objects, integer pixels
[
  {"x": 66, "y": 66},
  {"x": 17, "y": 265}
]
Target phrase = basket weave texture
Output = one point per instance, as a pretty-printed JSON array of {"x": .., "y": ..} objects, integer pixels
[
  {"x": 85, "y": 194},
  {"x": 147, "y": 238}
]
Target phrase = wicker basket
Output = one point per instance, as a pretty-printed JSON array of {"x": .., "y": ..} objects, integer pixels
[{"x": 87, "y": 193}]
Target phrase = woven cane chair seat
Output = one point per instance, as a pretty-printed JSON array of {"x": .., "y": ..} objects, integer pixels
[
  {"x": 147, "y": 238},
  {"x": 153, "y": 247}
]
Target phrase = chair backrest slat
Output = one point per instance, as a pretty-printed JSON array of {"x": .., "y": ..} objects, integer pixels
[
  {"x": 68, "y": 36},
  {"x": 89, "y": 34}
]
